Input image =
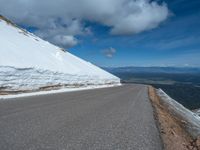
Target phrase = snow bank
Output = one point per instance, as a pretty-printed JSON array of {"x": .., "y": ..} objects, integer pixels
[
  {"x": 190, "y": 120},
  {"x": 22, "y": 79},
  {"x": 28, "y": 62}
]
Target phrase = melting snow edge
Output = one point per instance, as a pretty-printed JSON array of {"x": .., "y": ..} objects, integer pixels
[{"x": 7, "y": 97}]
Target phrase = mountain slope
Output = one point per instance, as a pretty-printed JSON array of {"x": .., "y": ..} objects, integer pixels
[{"x": 28, "y": 62}]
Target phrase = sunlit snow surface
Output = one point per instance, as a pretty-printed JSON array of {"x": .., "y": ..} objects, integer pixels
[{"x": 28, "y": 62}]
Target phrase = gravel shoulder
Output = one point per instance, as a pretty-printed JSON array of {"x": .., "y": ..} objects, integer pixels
[{"x": 174, "y": 136}]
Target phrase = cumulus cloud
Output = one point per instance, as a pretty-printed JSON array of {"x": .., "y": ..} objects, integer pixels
[
  {"x": 146, "y": 16},
  {"x": 109, "y": 52},
  {"x": 66, "y": 41},
  {"x": 67, "y": 17}
]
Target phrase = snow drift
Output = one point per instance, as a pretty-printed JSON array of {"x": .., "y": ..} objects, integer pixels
[
  {"x": 28, "y": 63},
  {"x": 190, "y": 120}
]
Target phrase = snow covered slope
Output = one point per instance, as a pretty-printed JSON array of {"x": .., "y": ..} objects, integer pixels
[{"x": 28, "y": 63}]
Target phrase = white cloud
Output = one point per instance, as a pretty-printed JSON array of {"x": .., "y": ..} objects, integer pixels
[
  {"x": 66, "y": 41},
  {"x": 109, "y": 52},
  {"x": 146, "y": 16},
  {"x": 68, "y": 16}
]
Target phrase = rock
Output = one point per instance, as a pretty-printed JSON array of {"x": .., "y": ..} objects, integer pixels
[
  {"x": 198, "y": 142},
  {"x": 190, "y": 147}
]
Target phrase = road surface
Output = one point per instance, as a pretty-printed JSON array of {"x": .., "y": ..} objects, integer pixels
[{"x": 117, "y": 118}]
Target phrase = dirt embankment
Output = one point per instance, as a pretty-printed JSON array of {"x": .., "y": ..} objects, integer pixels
[{"x": 174, "y": 136}]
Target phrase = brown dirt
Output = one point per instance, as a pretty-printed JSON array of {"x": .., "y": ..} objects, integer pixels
[
  {"x": 173, "y": 135},
  {"x": 7, "y": 20}
]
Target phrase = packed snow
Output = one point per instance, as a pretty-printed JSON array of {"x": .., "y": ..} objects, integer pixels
[
  {"x": 189, "y": 119},
  {"x": 29, "y": 63},
  {"x": 198, "y": 112}
]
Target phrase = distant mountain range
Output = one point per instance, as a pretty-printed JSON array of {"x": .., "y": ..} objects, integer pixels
[{"x": 171, "y": 70}]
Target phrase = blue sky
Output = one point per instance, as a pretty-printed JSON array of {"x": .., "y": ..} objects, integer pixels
[
  {"x": 171, "y": 39},
  {"x": 176, "y": 42}
]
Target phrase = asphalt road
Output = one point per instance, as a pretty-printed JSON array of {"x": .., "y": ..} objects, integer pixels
[{"x": 117, "y": 118}]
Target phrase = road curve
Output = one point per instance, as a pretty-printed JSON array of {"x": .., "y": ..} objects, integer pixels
[{"x": 117, "y": 118}]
